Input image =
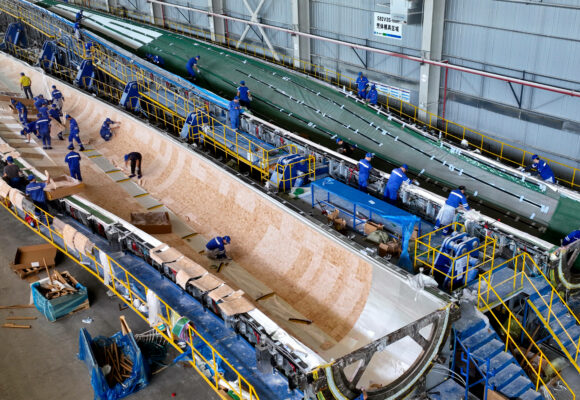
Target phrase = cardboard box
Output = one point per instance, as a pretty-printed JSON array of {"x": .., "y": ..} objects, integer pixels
[
  {"x": 152, "y": 222},
  {"x": 371, "y": 226},
  {"x": 29, "y": 103},
  {"x": 65, "y": 186},
  {"x": 29, "y": 259},
  {"x": 393, "y": 248}
]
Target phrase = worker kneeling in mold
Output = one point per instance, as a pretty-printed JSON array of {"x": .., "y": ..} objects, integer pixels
[{"x": 216, "y": 248}]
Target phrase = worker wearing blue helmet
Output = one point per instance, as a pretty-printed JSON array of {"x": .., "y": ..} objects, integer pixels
[
  {"x": 43, "y": 129},
  {"x": 447, "y": 212},
  {"x": 192, "y": 67},
  {"x": 216, "y": 248},
  {"x": 364, "y": 171},
  {"x": 397, "y": 178},
  {"x": 235, "y": 111},
  {"x": 106, "y": 129},
  {"x": 373, "y": 96},
  {"x": 244, "y": 94},
  {"x": 22, "y": 110},
  {"x": 361, "y": 83},
  {"x": 541, "y": 168},
  {"x": 74, "y": 133}
]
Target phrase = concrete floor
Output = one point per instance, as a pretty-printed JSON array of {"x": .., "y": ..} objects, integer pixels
[{"x": 41, "y": 362}]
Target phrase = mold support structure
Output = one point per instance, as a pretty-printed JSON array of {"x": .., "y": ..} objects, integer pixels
[{"x": 308, "y": 106}]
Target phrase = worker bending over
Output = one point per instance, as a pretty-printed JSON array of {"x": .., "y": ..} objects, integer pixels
[
  {"x": 364, "y": 170},
  {"x": 447, "y": 213},
  {"x": 135, "y": 159},
  {"x": 55, "y": 114},
  {"x": 107, "y": 129},
  {"x": 22, "y": 110},
  {"x": 344, "y": 148},
  {"x": 571, "y": 238},
  {"x": 28, "y": 130},
  {"x": 397, "y": 178},
  {"x": 35, "y": 190},
  {"x": 25, "y": 84},
  {"x": 74, "y": 133},
  {"x": 361, "y": 83},
  {"x": 40, "y": 101},
  {"x": 73, "y": 159},
  {"x": 373, "y": 96},
  {"x": 192, "y": 67},
  {"x": 244, "y": 95},
  {"x": 541, "y": 168},
  {"x": 235, "y": 112},
  {"x": 216, "y": 249}
]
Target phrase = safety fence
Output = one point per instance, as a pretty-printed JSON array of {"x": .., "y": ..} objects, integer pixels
[
  {"x": 454, "y": 271},
  {"x": 492, "y": 293},
  {"x": 533, "y": 359},
  {"x": 512, "y": 155},
  {"x": 129, "y": 288},
  {"x": 162, "y": 104}
]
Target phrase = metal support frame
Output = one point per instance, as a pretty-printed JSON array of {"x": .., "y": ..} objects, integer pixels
[
  {"x": 520, "y": 97},
  {"x": 254, "y": 18},
  {"x": 216, "y": 24},
  {"x": 301, "y": 23}
]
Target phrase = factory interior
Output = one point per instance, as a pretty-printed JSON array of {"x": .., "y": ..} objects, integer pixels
[{"x": 290, "y": 200}]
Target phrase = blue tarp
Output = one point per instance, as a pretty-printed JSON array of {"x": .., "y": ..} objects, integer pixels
[
  {"x": 126, "y": 343},
  {"x": 60, "y": 306},
  {"x": 359, "y": 205}
]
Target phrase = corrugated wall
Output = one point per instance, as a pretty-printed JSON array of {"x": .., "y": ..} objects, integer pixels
[{"x": 536, "y": 42}]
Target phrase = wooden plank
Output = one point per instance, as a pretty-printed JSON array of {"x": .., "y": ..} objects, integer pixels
[
  {"x": 16, "y": 306},
  {"x": 16, "y": 326},
  {"x": 17, "y": 318}
]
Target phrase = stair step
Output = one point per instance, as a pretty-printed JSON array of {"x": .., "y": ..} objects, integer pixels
[
  {"x": 490, "y": 349},
  {"x": 498, "y": 362},
  {"x": 531, "y": 394},
  {"x": 468, "y": 326},
  {"x": 506, "y": 376},
  {"x": 517, "y": 387},
  {"x": 557, "y": 307},
  {"x": 565, "y": 321},
  {"x": 478, "y": 339}
]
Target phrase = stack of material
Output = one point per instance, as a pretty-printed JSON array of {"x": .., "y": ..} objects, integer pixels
[
  {"x": 120, "y": 365},
  {"x": 63, "y": 186},
  {"x": 58, "y": 286},
  {"x": 30, "y": 260}
]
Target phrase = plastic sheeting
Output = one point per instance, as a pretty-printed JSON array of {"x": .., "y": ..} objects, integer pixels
[
  {"x": 126, "y": 343},
  {"x": 60, "y": 306},
  {"x": 350, "y": 201}
]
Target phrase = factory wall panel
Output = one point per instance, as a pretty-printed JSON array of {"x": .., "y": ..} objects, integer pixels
[{"x": 536, "y": 42}]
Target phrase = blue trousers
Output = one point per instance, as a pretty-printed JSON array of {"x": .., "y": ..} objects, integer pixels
[
  {"x": 72, "y": 137},
  {"x": 76, "y": 173},
  {"x": 45, "y": 139},
  {"x": 391, "y": 195}
]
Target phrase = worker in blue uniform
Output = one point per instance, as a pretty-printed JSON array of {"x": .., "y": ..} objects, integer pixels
[
  {"x": 571, "y": 238},
  {"x": 57, "y": 97},
  {"x": 235, "y": 112},
  {"x": 74, "y": 133},
  {"x": 135, "y": 159},
  {"x": 106, "y": 132},
  {"x": 55, "y": 114},
  {"x": 73, "y": 159},
  {"x": 77, "y": 32},
  {"x": 447, "y": 213},
  {"x": 79, "y": 17},
  {"x": 22, "y": 110},
  {"x": 43, "y": 129},
  {"x": 361, "y": 83},
  {"x": 397, "y": 178},
  {"x": 43, "y": 110},
  {"x": 244, "y": 94},
  {"x": 88, "y": 49},
  {"x": 216, "y": 248},
  {"x": 192, "y": 67},
  {"x": 364, "y": 170},
  {"x": 39, "y": 101},
  {"x": 35, "y": 190},
  {"x": 373, "y": 96},
  {"x": 541, "y": 168},
  {"x": 28, "y": 130}
]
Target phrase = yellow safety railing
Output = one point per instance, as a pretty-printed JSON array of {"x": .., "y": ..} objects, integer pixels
[
  {"x": 285, "y": 182},
  {"x": 427, "y": 252},
  {"x": 510, "y": 154},
  {"x": 516, "y": 282},
  {"x": 544, "y": 365},
  {"x": 121, "y": 277}
]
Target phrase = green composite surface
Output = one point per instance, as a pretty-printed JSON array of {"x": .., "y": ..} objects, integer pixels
[{"x": 321, "y": 113}]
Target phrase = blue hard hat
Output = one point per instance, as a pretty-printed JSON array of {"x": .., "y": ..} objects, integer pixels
[
  {"x": 54, "y": 86},
  {"x": 338, "y": 140},
  {"x": 67, "y": 116},
  {"x": 360, "y": 73},
  {"x": 369, "y": 155},
  {"x": 374, "y": 86},
  {"x": 242, "y": 82},
  {"x": 126, "y": 157},
  {"x": 53, "y": 105},
  {"x": 404, "y": 166},
  {"x": 198, "y": 56},
  {"x": 535, "y": 156},
  {"x": 227, "y": 239},
  {"x": 108, "y": 120},
  {"x": 31, "y": 177},
  {"x": 9, "y": 159},
  {"x": 236, "y": 98}
]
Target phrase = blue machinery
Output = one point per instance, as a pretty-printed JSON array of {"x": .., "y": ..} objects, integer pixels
[{"x": 457, "y": 245}]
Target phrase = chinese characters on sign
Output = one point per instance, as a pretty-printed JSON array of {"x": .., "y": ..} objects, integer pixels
[{"x": 384, "y": 26}]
